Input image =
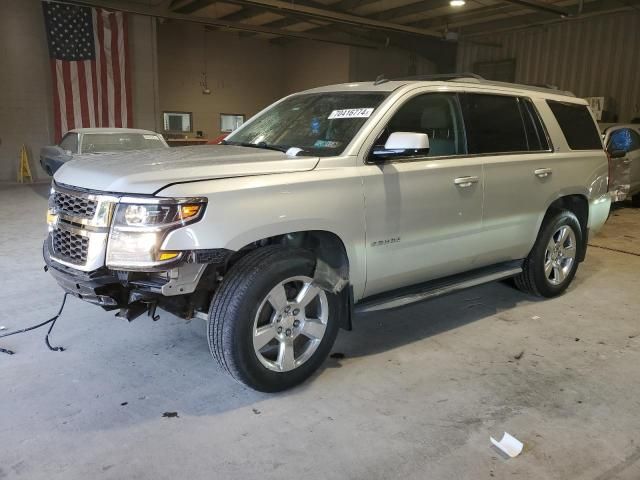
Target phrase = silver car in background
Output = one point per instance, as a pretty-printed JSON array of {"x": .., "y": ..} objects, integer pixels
[
  {"x": 97, "y": 140},
  {"x": 622, "y": 142}
]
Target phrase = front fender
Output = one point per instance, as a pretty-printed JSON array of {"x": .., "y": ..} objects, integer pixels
[{"x": 241, "y": 211}]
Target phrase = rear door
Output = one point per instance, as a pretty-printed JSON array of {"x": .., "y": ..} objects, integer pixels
[{"x": 506, "y": 131}]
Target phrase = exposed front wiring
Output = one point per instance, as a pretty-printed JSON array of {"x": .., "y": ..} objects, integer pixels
[{"x": 51, "y": 321}]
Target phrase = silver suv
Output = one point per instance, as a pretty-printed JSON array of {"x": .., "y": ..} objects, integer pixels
[{"x": 336, "y": 200}]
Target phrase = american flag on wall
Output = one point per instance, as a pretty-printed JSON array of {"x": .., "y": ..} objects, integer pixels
[{"x": 89, "y": 56}]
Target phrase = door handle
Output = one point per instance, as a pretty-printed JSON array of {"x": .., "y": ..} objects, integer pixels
[
  {"x": 543, "y": 172},
  {"x": 464, "y": 182},
  {"x": 626, "y": 161}
]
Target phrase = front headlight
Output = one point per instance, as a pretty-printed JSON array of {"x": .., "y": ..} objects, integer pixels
[{"x": 140, "y": 225}]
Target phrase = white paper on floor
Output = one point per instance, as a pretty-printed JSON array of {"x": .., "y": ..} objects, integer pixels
[{"x": 509, "y": 445}]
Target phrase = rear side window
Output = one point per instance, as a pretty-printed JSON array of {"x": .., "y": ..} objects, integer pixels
[
  {"x": 493, "y": 124},
  {"x": 536, "y": 135},
  {"x": 577, "y": 125},
  {"x": 70, "y": 142}
]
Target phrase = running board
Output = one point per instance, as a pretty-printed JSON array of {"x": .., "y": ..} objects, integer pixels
[{"x": 436, "y": 288}]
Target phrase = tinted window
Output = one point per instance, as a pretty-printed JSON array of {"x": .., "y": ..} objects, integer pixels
[
  {"x": 435, "y": 114},
  {"x": 493, "y": 123},
  {"x": 536, "y": 136},
  {"x": 623, "y": 139},
  {"x": 70, "y": 142},
  {"x": 577, "y": 125}
]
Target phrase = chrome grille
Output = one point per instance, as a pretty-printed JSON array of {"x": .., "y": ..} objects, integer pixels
[
  {"x": 73, "y": 205},
  {"x": 69, "y": 246}
]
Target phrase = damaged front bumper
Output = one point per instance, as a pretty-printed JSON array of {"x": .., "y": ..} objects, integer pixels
[
  {"x": 100, "y": 286},
  {"x": 135, "y": 293}
]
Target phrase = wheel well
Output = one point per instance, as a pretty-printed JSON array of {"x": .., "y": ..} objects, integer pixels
[
  {"x": 332, "y": 263},
  {"x": 579, "y": 205}
]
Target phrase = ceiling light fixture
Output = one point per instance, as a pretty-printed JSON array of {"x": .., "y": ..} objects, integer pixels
[{"x": 457, "y": 3}]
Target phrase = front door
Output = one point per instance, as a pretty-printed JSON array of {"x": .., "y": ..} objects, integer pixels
[{"x": 423, "y": 213}]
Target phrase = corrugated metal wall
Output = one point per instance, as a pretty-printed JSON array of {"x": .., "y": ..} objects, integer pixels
[{"x": 596, "y": 56}]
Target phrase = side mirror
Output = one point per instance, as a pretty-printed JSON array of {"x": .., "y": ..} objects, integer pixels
[
  {"x": 407, "y": 141},
  {"x": 617, "y": 153},
  {"x": 403, "y": 144}
]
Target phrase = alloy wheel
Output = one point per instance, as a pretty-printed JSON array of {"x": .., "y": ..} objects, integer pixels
[
  {"x": 560, "y": 255},
  {"x": 290, "y": 324}
]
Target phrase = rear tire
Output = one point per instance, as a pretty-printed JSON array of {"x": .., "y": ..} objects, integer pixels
[
  {"x": 635, "y": 200},
  {"x": 269, "y": 326},
  {"x": 553, "y": 260}
]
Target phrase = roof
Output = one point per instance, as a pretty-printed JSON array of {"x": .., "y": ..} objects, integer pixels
[
  {"x": 452, "y": 80},
  {"x": 113, "y": 130}
]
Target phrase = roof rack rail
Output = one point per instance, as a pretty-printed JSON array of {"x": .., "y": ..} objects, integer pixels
[
  {"x": 475, "y": 78},
  {"x": 445, "y": 76}
]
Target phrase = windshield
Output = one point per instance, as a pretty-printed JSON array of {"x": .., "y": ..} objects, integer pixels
[
  {"x": 320, "y": 124},
  {"x": 119, "y": 142}
]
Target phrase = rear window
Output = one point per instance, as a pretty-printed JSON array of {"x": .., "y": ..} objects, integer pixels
[
  {"x": 577, "y": 125},
  {"x": 493, "y": 124}
]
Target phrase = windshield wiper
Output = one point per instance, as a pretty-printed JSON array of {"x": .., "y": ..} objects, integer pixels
[{"x": 262, "y": 145}]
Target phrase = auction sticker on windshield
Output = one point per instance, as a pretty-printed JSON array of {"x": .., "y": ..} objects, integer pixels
[{"x": 351, "y": 113}]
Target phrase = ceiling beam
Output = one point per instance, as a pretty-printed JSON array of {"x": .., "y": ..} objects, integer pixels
[
  {"x": 541, "y": 6},
  {"x": 519, "y": 21},
  {"x": 334, "y": 16},
  {"x": 418, "y": 6},
  {"x": 189, "y": 6},
  {"x": 158, "y": 12},
  {"x": 244, "y": 14}
]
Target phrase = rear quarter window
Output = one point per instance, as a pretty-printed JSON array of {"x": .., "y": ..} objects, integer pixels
[{"x": 577, "y": 125}]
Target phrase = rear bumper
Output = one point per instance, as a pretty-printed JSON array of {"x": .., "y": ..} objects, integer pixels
[{"x": 599, "y": 208}]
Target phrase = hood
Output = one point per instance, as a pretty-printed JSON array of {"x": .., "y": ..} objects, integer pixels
[{"x": 147, "y": 171}]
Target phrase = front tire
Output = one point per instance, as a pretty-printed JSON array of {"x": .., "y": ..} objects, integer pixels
[
  {"x": 635, "y": 200},
  {"x": 270, "y": 327},
  {"x": 553, "y": 260}
]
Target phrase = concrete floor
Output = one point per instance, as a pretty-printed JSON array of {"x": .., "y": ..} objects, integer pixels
[{"x": 417, "y": 396}]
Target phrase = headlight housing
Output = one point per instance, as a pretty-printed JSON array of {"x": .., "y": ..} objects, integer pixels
[{"x": 140, "y": 225}]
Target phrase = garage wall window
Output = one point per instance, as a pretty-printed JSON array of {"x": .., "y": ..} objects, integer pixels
[
  {"x": 493, "y": 124},
  {"x": 577, "y": 125},
  {"x": 230, "y": 121},
  {"x": 177, "y": 121}
]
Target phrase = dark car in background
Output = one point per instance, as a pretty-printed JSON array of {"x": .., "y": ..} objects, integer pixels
[{"x": 84, "y": 141}]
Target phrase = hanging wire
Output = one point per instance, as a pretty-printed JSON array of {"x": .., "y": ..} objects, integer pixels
[{"x": 51, "y": 321}]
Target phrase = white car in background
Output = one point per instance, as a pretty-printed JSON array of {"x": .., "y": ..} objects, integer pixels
[
  {"x": 622, "y": 142},
  {"x": 97, "y": 140}
]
